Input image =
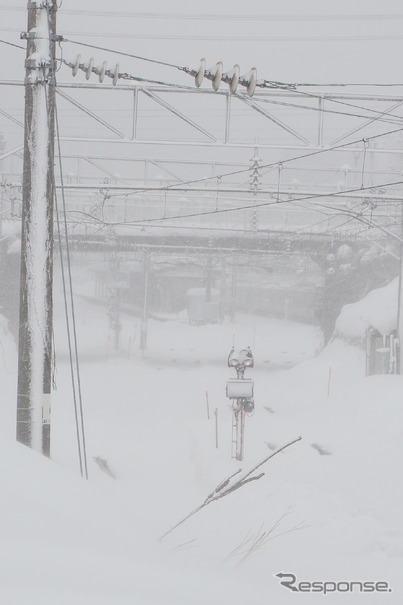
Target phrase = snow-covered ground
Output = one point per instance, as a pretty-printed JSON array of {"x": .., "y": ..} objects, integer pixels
[{"x": 327, "y": 510}]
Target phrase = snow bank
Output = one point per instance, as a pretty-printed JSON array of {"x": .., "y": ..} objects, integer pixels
[
  {"x": 378, "y": 310},
  {"x": 330, "y": 505},
  {"x": 8, "y": 380}
]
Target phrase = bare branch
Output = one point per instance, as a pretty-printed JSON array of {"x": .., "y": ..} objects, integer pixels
[
  {"x": 225, "y": 487},
  {"x": 272, "y": 455},
  {"x": 221, "y": 485}
]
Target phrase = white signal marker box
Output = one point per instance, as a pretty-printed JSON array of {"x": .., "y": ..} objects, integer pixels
[{"x": 239, "y": 388}]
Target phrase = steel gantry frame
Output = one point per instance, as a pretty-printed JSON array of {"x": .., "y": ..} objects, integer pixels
[
  {"x": 219, "y": 143},
  {"x": 277, "y": 97}
]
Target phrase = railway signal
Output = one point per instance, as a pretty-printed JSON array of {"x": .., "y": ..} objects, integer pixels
[{"x": 240, "y": 391}]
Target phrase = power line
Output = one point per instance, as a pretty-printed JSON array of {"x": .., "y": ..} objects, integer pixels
[
  {"x": 234, "y": 38},
  {"x": 243, "y": 18},
  {"x": 226, "y": 17},
  {"x": 251, "y": 38},
  {"x": 260, "y": 83},
  {"x": 254, "y": 206},
  {"x": 381, "y": 114},
  {"x": 123, "y": 54},
  {"x": 333, "y": 111},
  {"x": 11, "y": 44},
  {"x": 274, "y": 84},
  {"x": 323, "y": 220},
  {"x": 340, "y": 211},
  {"x": 171, "y": 65},
  {"x": 346, "y": 84},
  {"x": 353, "y": 105},
  {"x": 274, "y": 164}
]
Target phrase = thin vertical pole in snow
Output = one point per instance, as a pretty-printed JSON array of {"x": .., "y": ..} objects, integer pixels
[
  {"x": 233, "y": 290},
  {"x": 329, "y": 380},
  {"x": 321, "y": 102},
  {"x": 36, "y": 274},
  {"x": 216, "y": 427},
  {"x": 399, "y": 365},
  {"x": 223, "y": 289},
  {"x": 208, "y": 407},
  {"x": 135, "y": 112},
  {"x": 144, "y": 317}
]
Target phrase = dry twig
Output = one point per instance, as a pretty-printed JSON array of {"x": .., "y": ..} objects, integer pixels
[{"x": 226, "y": 487}]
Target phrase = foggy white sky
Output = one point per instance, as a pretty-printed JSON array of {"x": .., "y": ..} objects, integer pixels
[
  {"x": 287, "y": 60},
  {"x": 327, "y": 53},
  {"x": 345, "y": 43}
]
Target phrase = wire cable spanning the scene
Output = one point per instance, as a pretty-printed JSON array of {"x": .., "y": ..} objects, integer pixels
[
  {"x": 262, "y": 83},
  {"x": 269, "y": 165},
  {"x": 126, "y": 76},
  {"x": 267, "y": 84},
  {"x": 11, "y": 44},
  {"x": 224, "y": 17},
  {"x": 369, "y": 223},
  {"x": 123, "y": 54},
  {"x": 256, "y": 206},
  {"x": 380, "y": 114},
  {"x": 239, "y": 38},
  {"x": 346, "y": 84},
  {"x": 385, "y": 116},
  {"x": 74, "y": 364}
]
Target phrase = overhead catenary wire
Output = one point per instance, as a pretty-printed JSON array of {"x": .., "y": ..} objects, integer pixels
[
  {"x": 239, "y": 231},
  {"x": 238, "y": 38},
  {"x": 327, "y": 210},
  {"x": 273, "y": 164},
  {"x": 335, "y": 194},
  {"x": 378, "y": 113},
  {"x": 324, "y": 150},
  {"x": 165, "y": 188},
  {"x": 262, "y": 83},
  {"x": 352, "y": 217},
  {"x": 224, "y": 17},
  {"x": 250, "y": 38},
  {"x": 235, "y": 17},
  {"x": 328, "y": 98},
  {"x": 123, "y": 54},
  {"x": 381, "y": 116}
]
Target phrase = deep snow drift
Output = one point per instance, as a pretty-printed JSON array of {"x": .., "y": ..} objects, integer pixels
[{"x": 327, "y": 509}]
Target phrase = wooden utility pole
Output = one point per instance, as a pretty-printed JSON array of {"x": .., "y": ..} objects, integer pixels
[
  {"x": 36, "y": 278},
  {"x": 399, "y": 364}
]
